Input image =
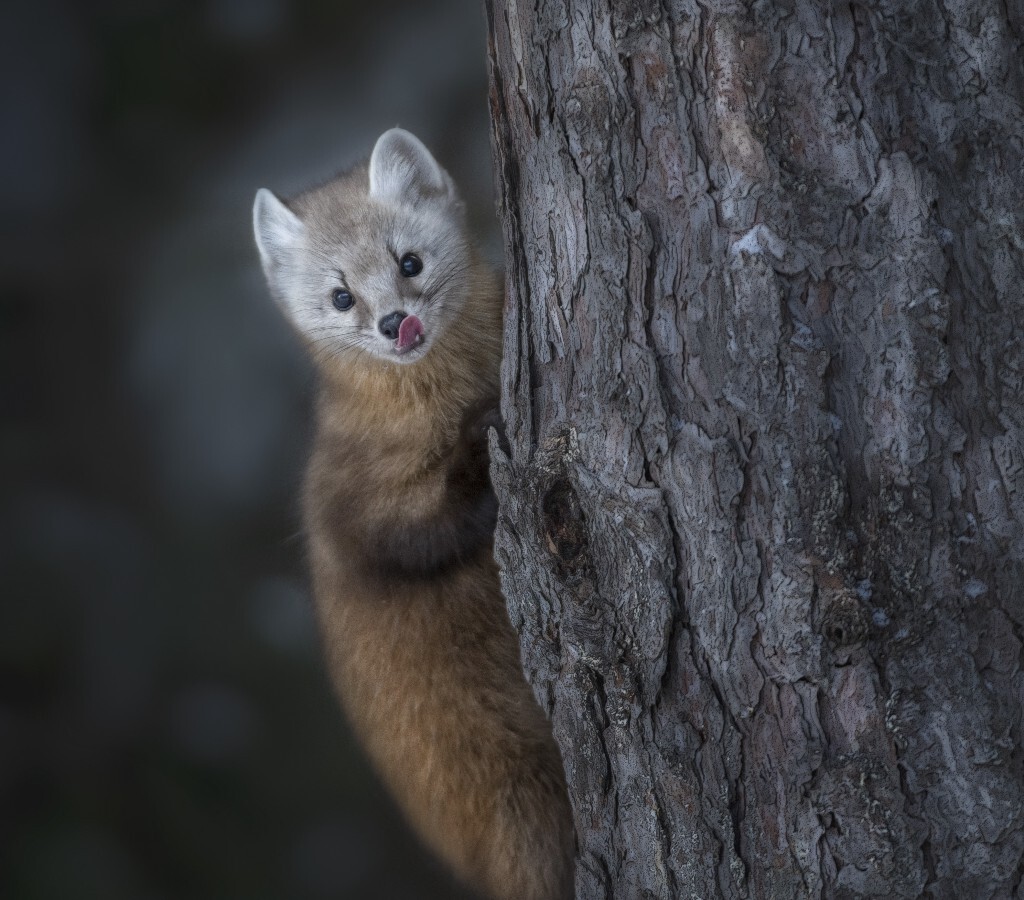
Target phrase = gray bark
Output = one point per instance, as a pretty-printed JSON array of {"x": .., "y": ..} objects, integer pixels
[{"x": 762, "y": 522}]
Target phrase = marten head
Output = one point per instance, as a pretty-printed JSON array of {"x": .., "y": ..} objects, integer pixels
[{"x": 374, "y": 262}]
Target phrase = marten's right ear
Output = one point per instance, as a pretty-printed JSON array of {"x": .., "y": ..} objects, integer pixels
[
  {"x": 278, "y": 233},
  {"x": 402, "y": 170}
]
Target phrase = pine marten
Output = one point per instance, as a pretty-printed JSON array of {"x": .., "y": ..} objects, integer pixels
[{"x": 377, "y": 271}]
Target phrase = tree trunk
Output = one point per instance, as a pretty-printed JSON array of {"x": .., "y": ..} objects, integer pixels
[{"x": 762, "y": 523}]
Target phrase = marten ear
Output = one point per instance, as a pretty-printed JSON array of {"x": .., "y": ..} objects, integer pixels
[
  {"x": 278, "y": 233},
  {"x": 402, "y": 169}
]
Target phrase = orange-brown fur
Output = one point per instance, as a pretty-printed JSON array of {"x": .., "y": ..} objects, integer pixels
[{"x": 427, "y": 665}]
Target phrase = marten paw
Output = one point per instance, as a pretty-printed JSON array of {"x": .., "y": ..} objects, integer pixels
[{"x": 479, "y": 420}]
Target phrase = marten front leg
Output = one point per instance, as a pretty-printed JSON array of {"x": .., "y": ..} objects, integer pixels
[{"x": 463, "y": 522}]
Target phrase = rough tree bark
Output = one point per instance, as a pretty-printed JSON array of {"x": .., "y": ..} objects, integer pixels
[{"x": 762, "y": 522}]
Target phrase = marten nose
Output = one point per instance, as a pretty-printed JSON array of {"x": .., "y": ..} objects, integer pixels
[{"x": 389, "y": 324}]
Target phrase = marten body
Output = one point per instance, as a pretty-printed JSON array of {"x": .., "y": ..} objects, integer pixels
[{"x": 375, "y": 269}]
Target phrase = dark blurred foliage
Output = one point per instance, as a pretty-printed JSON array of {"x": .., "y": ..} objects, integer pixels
[{"x": 166, "y": 727}]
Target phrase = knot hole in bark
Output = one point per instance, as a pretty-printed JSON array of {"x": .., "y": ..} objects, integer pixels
[
  {"x": 845, "y": 624},
  {"x": 564, "y": 525}
]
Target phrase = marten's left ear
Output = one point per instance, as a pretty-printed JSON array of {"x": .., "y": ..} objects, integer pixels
[
  {"x": 402, "y": 169},
  {"x": 280, "y": 237},
  {"x": 278, "y": 233}
]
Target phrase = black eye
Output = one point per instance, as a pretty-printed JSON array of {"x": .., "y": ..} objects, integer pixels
[
  {"x": 342, "y": 299},
  {"x": 411, "y": 265}
]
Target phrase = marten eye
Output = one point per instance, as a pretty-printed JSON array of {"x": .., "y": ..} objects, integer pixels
[
  {"x": 411, "y": 265},
  {"x": 342, "y": 299}
]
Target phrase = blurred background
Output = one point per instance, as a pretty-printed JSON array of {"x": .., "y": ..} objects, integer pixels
[{"x": 166, "y": 726}]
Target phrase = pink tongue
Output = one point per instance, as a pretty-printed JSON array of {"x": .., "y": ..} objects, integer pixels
[{"x": 409, "y": 332}]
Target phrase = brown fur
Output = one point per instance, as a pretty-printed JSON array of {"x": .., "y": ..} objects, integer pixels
[{"x": 399, "y": 513}]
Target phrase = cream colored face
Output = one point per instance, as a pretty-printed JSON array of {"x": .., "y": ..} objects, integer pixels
[
  {"x": 358, "y": 285},
  {"x": 351, "y": 265}
]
